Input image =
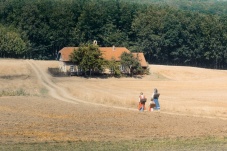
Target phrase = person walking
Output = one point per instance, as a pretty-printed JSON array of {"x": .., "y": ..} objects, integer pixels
[
  {"x": 152, "y": 104},
  {"x": 142, "y": 101},
  {"x": 154, "y": 100}
]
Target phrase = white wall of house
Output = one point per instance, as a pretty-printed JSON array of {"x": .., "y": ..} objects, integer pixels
[
  {"x": 62, "y": 66},
  {"x": 72, "y": 68},
  {"x": 68, "y": 67}
]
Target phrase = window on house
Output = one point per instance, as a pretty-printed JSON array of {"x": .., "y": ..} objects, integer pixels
[
  {"x": 71, "y": 68},
  {"x": 122, "y": 68}
]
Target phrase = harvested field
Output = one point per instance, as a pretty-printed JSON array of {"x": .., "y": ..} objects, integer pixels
[{"x": 74, "y": 109}]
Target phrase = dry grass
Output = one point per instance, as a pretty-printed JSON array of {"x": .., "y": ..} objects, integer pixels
[
  {"x": 16, "y": 78},
  {"x": 184, "y": 90}
]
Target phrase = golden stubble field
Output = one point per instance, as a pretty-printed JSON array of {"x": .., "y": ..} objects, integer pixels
[
  {"x": 193, "y": 104},
  {"x": 184, "y": 90}
]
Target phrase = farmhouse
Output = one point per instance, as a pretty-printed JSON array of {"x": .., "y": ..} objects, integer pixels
[{"x": 108, "y": 53}]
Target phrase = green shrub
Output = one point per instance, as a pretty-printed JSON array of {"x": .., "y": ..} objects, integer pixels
[{"x": 18, "y": 92}]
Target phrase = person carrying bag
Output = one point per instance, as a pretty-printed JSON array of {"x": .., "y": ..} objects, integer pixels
[{"x": 142, "y": 101}]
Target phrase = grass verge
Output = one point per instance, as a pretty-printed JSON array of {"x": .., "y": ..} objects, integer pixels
[{"x": 210, "y": 143}]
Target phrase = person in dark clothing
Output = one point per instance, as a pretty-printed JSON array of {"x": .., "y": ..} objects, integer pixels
[{"x": 154, "y": 100}]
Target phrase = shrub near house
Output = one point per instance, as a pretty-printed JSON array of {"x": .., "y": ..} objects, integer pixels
[{"x": 88, "y": 57}]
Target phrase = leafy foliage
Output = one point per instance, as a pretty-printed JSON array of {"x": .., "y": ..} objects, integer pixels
[
  {"x": 114, "y": 67},
  {"x": 11, "y": 43},
  {"x": 178, "y": 32},
  {"x": 130, "y": 63},
  {"x": 88, "y": 57},
  {"x": 178, "y": 37}
]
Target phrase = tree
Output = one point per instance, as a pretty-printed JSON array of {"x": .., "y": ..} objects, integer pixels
[
  {"x": 130, "y": 63},
  {"x": 114, "y": 67},
  {"x": 88, "y": 57},
  {"x": 11, "y": 43},
  {"x": 148, "y": 27},
  {"x": 91, "y": 18}
]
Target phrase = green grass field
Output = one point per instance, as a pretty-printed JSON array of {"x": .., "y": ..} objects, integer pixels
[{"x": 210, "y": 143}]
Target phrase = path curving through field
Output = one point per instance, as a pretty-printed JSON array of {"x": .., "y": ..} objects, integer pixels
[
  {"x": 54, "y": 90},
  {"x": 61, "y": 94}
]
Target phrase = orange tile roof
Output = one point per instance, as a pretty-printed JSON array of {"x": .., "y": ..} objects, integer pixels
[
  {"x": 107, "y": 52},
  {"x": 113, "y": 52},
  {"x": 141, "y": 58},
  {"x": 65, "y": 53}
]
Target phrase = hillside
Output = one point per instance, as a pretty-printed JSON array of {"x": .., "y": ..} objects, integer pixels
[
  {"x": 80, "y": 114},
  {"x": 187, "y": 90}
]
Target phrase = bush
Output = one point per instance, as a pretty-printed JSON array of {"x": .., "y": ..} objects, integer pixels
[{"x": 18, "y": 92}]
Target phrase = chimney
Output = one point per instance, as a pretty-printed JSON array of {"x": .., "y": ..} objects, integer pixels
[
  {"x": 95, "y": 42},
  {"x": 113, "y": 48}
]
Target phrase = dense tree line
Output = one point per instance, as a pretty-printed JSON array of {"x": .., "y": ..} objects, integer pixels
[
  {"x": 167, "y": 33},
  {"x": 202, "y": 6},
  {"x": 179, "y": 37}
]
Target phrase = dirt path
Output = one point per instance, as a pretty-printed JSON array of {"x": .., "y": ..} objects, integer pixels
[
  {"x": 55, "y": 91},
  {"x": 61, "y": 94}
]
